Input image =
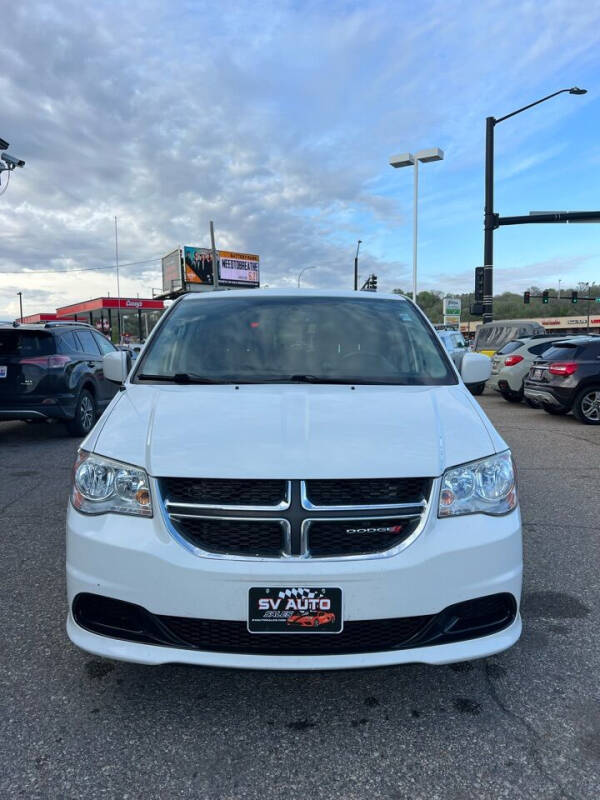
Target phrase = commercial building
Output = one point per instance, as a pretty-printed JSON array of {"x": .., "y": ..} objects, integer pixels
[{"x": 137, "y": 315}]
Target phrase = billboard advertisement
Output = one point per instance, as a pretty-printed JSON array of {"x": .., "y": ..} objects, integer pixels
[
  {"x": 198, "y": 265},
  {"x": 238, "y": 269},
  {"x": 171, "y": 271},
  {"x": 235, "y": 269}
]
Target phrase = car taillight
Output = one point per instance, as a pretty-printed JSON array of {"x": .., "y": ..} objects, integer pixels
[
  {"x": 45, "y": 361},
  {"x": 562, "y": 368},
  {"x": 58, "y": 361},
  {"x": 510, "y": 361}
]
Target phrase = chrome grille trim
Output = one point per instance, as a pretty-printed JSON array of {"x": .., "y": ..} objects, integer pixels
[{"x": 422, "y": 509}]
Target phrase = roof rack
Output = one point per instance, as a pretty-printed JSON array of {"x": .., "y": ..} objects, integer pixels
[{"x": 58, "y": 324}]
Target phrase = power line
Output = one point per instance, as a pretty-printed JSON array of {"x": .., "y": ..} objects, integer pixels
[{"x": 82, "y": 269}]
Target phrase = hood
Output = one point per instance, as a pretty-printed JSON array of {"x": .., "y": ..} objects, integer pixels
[{"x": 296, "y": 431}]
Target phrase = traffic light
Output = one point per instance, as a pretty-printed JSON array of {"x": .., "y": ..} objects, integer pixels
[
  {"x": 545, "y": 296},
  {"x": 478, "y": 284},
  {"x": 374, "y": 283},
  {"x": 573, "y": 297},
  {"x": 526, "y": 296}
]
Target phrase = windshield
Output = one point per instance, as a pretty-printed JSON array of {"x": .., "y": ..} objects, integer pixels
[{"x": 259, "y": 339}]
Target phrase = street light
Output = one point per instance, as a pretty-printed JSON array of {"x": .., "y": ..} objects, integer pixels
[
  {"x": 489, "y": 219},
  {"x": 358, "y": 244},
  {"x": 20, "y": 307},
  {"x": 302, "y": 271},
  {"x": 406, "y": 160}
]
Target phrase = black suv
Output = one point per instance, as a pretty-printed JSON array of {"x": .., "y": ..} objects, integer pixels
[
  {"x": 54, "y": 371},
  {"x": 567, "y": 378}
]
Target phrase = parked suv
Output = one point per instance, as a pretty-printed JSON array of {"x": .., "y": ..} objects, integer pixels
[
  {"x": 281, "y": 453},
  {"x": 567, "y": 378},
  {"x": 54, "y": 371},
  {"x": 510, "y": 365}
]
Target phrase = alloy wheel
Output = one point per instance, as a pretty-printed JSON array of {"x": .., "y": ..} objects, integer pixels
[
  {"x": 86, "y": 412},
  {"x": 590, "y": 406}
]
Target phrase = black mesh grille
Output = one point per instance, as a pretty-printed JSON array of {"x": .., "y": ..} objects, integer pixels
[
  {"x": 232, "y": 637},
  {"x": 213, "y": 491},
  {"x": 353, "y": 537},
  {"x": 232, "y": 537},
  {"x": 367, "y": 491}
]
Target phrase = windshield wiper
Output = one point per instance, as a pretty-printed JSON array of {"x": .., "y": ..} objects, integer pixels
[{"x": 178, "y": 377}]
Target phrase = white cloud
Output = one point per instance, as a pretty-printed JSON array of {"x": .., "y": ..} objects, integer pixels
[{"x": 275, "y": 120}]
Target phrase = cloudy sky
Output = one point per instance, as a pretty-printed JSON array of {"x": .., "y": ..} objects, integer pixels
[{"x": 276, "y": 120}]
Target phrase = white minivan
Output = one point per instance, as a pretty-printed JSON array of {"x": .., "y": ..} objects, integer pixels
[{"x": 294, "y": 480}]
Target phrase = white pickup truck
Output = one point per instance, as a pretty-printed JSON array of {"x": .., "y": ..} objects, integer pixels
[{"x": 294, "y": 480}]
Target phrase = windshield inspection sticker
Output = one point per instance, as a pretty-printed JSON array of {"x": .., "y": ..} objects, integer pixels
[
  {"x": 3, "y": 372},
  {"x": 294, "y": 610}
]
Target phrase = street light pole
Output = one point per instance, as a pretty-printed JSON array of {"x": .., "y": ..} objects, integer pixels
[
  {"x": 405, "y": 160},
  {"x": 489, "y": 219},
  {"x": 559, "y": 283},
  {"x": 20, "y": 307},
  {"x": 301, "y": 273},
  {"x": 356, "y": 265}
]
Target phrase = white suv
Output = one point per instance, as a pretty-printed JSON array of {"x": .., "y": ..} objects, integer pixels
[{"x": 294, "y": 480}]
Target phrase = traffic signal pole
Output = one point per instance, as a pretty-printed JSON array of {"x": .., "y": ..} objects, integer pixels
[{"x": 488, "y": 224}]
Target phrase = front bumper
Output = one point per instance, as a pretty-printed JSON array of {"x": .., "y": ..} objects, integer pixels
[{"x": 136, "y": 560}]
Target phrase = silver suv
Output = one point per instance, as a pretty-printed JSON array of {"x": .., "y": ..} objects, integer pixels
[{"x": 510, "y": 364}]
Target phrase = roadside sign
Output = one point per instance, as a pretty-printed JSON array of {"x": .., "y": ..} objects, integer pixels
[
  {"x": 452, "y": 306},
  {"x": 451, "y": 319}
]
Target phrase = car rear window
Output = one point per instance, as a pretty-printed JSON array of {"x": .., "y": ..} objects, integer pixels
[
  {"x": 26, "y": 343},
  {"x": 510, "y": 347},
  {"x": 562, "y": 352}
]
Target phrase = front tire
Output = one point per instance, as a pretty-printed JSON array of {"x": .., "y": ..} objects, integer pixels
[
  {"x": 586, "y": 407},
  {"x": 85, "y": 415}
]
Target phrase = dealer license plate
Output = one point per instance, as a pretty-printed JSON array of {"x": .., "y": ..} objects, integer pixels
[
  {"x": 537, "y": 374},
  {"x": 294, "y": 609}
]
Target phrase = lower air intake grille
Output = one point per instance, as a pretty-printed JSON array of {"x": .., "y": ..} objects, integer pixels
[
  {"x": 367, "y": 491},
  {"x": 233, "y": 637}
]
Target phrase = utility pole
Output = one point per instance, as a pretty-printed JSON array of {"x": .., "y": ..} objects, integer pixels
[
  {"x": 21, "y": 307},
  {"x": 118, "y": 281},
  {"x": 356, "y": 265},
  {"x": 215, "y": 262}
]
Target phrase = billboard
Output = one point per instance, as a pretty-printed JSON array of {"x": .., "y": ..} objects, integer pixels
[
  {"x": 238, "y": 269},
  {"x": 234, "y": 269},
  {"x": 198, "y": 265},
  {"x": 171, "y": 271}
]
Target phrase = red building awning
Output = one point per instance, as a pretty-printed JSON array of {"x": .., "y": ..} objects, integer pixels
[{"x": 100, "y": 303}]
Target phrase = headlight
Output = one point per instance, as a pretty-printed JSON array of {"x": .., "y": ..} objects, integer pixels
[
  {"x": 101, "y": 485},
  {"x": 487, "y": 486}
]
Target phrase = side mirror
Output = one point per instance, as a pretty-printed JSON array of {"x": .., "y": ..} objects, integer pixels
[
  {"x": 116, "y": 366},
  {"x": 475, "y": 368}
]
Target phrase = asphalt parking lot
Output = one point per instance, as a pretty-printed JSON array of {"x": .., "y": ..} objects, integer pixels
[{"x": 523, "y": 724}]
